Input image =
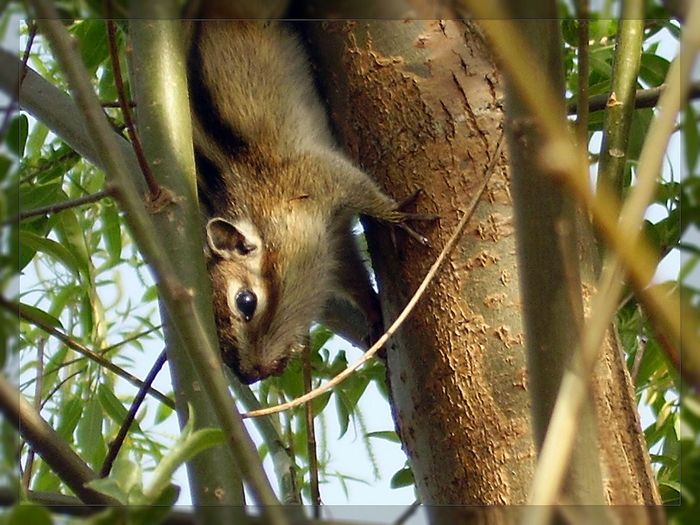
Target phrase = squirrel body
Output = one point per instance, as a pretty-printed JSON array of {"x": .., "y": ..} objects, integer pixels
[{"x": 278, "y": 196}]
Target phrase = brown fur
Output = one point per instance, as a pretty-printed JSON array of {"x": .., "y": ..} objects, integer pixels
[{"x": 275, "y": 171}]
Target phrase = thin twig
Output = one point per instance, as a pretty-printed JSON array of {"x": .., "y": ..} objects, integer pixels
[
  {"x": 153, "y": 187},
  {"x": 75, "y": 345},
  {"x": 369, "y": 354},
  {"x": 408, "y": 513},
  {"x": 59, "y": 206},
  {"x": 643, "y": 98},
  {"x": 50, "y": 164},
  {"x": 311, "y": 436},
  {"x": 23, "y": 72},
  {"x": 117, "y": 104},
  {"x": 59, "y": 385},
  {"x": 103, "y": 352},
  {"x": 117, "y": 442}
]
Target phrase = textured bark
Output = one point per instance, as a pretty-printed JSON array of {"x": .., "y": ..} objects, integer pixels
[
  {"x": 418, "y": 104},
  {"x": 626, "y": 467}
]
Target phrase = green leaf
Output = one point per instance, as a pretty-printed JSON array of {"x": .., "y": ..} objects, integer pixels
[
  {"x": 73, "y": 235},
  {"x": 319, "y": 337},
  {"x": 691, "y": 137},
  {"x": 111, "y": 231},
  {"x": 37, "y": 196},
  {"x": 33, "y": 311},
  {"x": 30, "y": 241},
  {"x": 319, "y": 403},
  {"x": 109, "y": 487},
  {"x": 71, "y": 413},
  {"x": 402, "y": 478},
  {"x": 90, "y": 437},
  {"x": 653, "y": 69},
  {"x": 92, "y": 39},
  {"x": 37, "y": 138},
  {"x": 189, "y": 445},
  {"x": 163, "y": 412},
  {"x": 113, "y": 407},
  {"x": 17, "y": 135},
  {"x": 388, "y": 435},
  {"x": 343, "y": 409},
  {"x": 28, "y": 513},
  {"x": 150, "y": 295}
]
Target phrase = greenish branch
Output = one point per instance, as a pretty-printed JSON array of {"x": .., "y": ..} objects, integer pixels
[{"x": 620, "y": 106}]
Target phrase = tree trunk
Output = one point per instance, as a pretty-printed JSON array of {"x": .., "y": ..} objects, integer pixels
[{"x": 419, "y": 105}]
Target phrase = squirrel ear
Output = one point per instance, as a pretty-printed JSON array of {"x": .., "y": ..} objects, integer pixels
[{"x": 225, "y": 240}]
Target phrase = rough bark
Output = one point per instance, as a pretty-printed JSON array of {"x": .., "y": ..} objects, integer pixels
[{"x": 418, "y": 104}]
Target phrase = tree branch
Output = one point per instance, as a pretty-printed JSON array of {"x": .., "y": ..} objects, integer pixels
[
  {"x": 151, "y": 182},
  {"x": 59, "y": 206},
  {"x": 23, "y": 72},
  {"x": 186, "y": 320},
  {"x": 620, "y": 106},
  {"x": 117, "y": 442},
  {"x": 635, "y": 253},
  {"x": 643, "y": 98},
  {"x": 49, "y": 445}
]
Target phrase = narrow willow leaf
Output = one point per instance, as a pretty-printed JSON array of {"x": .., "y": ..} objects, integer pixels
[
  {"x": 388, "y": 435},
  {"x": 36, "y": 139},
  {"x": 90, "y": 437},
  {"x": 113, "y": 407},
  {"x": 70, "y": 415},
  {"x": 33, "y": 311},
  {"x": 111, "y": 230},
  {"x": 73, "y": 234},
  {"x": 691, "y": 137},
  {"x": 51, "y": 248}
]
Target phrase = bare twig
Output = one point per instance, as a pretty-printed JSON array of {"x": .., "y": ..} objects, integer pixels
[
  {"x": 117, "y": 442},
  {"x": 75, "y": 345},
  {"x": 69, "y": 467},
  {"x": 153, "y": 187},
  {"x": 369, "y": 354},
  {"x": 103, "y": 352},
  {"x": 311, "y": 436},
  {"x": 59, "y": 206},
  {"x": 23, "y": 72},
  {"x": 408, "y": 513},
  {"x": 50, "y": 164},
  {"x": 643, "y": 98}
]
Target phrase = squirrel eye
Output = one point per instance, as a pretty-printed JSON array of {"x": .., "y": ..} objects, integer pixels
[{"x": 246, "y": 302}]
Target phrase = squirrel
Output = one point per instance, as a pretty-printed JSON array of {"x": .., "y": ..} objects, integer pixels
[{"x": 278, "y": 196}]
